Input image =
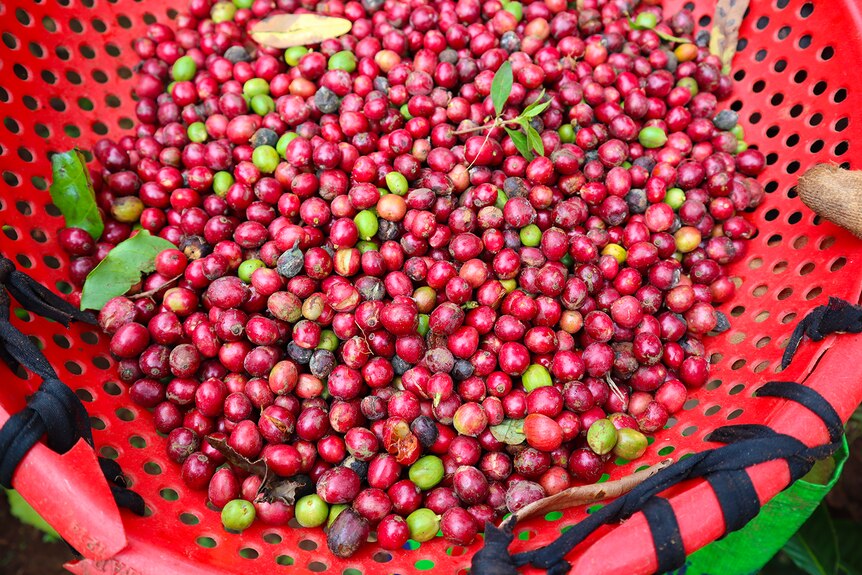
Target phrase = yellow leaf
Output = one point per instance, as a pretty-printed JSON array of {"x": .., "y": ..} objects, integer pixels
[
  {"x": 286, "y": 30},
  {"x": 725, "y": 30}
]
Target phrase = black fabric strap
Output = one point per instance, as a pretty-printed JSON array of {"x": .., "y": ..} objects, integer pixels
[
  {"x": 811, "y": 400},
  {"x": 35, "y": 297},
  {"x": 666, "y": 535},
  {"x": 736, "y": 497},
  {"x": 838, "y": 316}
]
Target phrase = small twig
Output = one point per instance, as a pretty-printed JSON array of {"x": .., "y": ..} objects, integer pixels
[
  {"x": 615, "y": 388},
  {"x": 151, "y": 292},
  {"x": 586, "y": 494}
]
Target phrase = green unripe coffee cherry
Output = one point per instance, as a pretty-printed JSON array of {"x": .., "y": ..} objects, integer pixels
[
  {"x": 365, "y": 246},
  {"x": 397, "y": 183},
  {"x": 567, "y": 133},
  {"x": 674, "y": 198},
  {"x": 426, "y": 472},
  {"x": 690, "y": 83},
  {"x": 254, "y": 87},
  {"x": 510, "y": 285},
  {"x": 738, "y": 131},
  {"x": 424, "y": 324},
  {"x": 567, "y": 260},
  {"x": 184, "y": 69},
  {"x": 335, "y": 511},
  {"x": 283, "y": 141},
  {"x": 262, "y": 104},
  {"x": 423, "y": 524},
  {"x": 222, "y": 181},
  {"x": 602, "y": 436},
  {"x": 502, "y": 198},
  {"x": 311, "y": 511},
  {"x": 197, "y": 132},
  {"x": 328, "y": 340},
  {"x": 243, "y": 4},
  {"x": 343, "y": 60},
  {"x": 516, "y": 9},
  {"x": 247, "y": 268},
  {"x": 366, "y": 224},
  {"x": 741, "y": 146},
  {"x": 536, "y": 376},
  {"x": 265, "y": 158},
  {"x": 646, "y": 21},
  {"x": 652, "y": 137},
  {"x": 293, "y": 54},
  {"x": 531, "y": 235},
  {"x": 222, "y": 12},
  {"x": 631, "y": 443},
  {"x": 238, "y": 515}
]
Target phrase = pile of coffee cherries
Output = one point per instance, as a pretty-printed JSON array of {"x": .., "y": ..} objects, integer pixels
[{"x": 374, "y": 288}]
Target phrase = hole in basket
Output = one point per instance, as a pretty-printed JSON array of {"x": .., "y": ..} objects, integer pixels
[
  {"x": 714, "y": 384},
  {"x": 773, "y": 240},
  {"x": 248, "y": 553},
  {"x": 737, "y": 311},
  {"x": 761, "y": 317},
  {"x": 779, "y": 267},
  {"x": 761, "y": 366},
  {"x": 784, "y": 294},
  {"x": 84, "y": 395},
  {"x": 169, "y": 494},
  {"x": 189, "y": 519},
  {"x": 74, "y": 367},
  {"x": 800, "y": 242},
  {"x": 690, "y": 430},
  {"x": 806, "y": 269},
  {"x": 97, "y": 423},
  {"x": 738, "y": 364},
  {"x": 317, "y": 567},
  {"x": 125, "y": 414},
  {"x": 284, "y": 560},
  {"x": 138, "y": 442},
  {"x": 841, "y": 124},
  {"x": 272, "y": 538},
  {"x": 382, "y": 557},
  {"x": 815, "y": 119},
  {"x": 736, "y": 389},
  {"x": 804, "y": 41},
  {"x": 108, "y": 452},
  {"x": 111, "y": 388},
  {"x": 90, "y": 337},
  {"x": 307, "y": 545},
  {"x": 712, "y": 410},
  {"x": 838, "y": 264},
  {"x": 788, "y": 318},
  {"x": 737, "y": 337},
  {"x": 813, "y": 293},
  {"x": 209, "y": 543},
  {"x": 734, "y": 414},
  {"x": 841, "y": 148},
  {"x": 755, "y": 263}
]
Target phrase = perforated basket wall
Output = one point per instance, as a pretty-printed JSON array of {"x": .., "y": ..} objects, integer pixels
[{"x": 66, "y": 80}]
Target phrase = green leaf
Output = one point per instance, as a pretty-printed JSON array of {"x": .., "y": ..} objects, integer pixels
[
  {"x": 510, "y": 432},
  {"x": 72, "y": 193},
  {"x": 122, "y": 268},
  {"x": 535, "y": 141},
  {"x": 536, "y": 109},
  {"x": 501, "y": 86},
  {"x": 520, "y": 141},
  {"x": 814, "y": 548}
]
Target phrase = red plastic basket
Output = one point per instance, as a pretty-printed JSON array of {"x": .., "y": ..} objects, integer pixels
[{"x": 66, "y": 79}]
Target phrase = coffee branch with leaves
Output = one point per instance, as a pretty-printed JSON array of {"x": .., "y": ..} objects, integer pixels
[{"x": 526, "y": 138}]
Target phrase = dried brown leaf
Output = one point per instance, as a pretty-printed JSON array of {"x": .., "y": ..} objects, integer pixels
[
  {"x": 286, "y": 30},
  {"x": 288, "y": 491},
  {"x": 586, "y": 494},
  {"x": 725, "y": 30},
  {"x": 258, "y": 467}
]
